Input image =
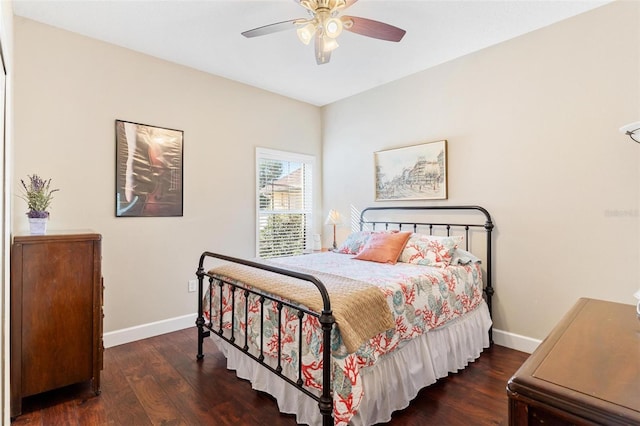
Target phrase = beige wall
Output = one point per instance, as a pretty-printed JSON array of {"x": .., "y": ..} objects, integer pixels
[
  {"x": 69, "y": 91},
  {"x": 532, "y": 129}
]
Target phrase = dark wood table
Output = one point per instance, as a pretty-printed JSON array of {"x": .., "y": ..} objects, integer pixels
[{"x": 586, "y": 372}]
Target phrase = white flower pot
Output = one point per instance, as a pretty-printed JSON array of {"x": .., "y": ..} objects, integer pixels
[{"x": 38, "y": 226}]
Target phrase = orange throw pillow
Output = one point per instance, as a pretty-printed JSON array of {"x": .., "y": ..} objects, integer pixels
[{"x": 384, "y": 247}]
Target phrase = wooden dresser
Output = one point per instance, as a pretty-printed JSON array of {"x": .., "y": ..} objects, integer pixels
[
  {"x": 56, "y": 313},
  {"x": 586, "y": 372}
]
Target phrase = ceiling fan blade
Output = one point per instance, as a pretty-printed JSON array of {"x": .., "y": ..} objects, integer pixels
[
  {"x": 272, "y": 28},
  {"x": 371, "y": 28},
  {"x": 322, "y": 55}
]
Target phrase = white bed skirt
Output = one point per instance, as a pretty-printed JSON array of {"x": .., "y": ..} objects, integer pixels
[{"x": 392, "y": 382}]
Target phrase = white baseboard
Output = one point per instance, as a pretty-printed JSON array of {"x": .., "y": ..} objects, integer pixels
[
  {"x": 144, "y": 331},
  {"x": 515, "y": 341}
]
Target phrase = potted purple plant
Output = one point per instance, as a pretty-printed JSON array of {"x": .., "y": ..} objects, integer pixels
[{"x": 38, "y": 195}]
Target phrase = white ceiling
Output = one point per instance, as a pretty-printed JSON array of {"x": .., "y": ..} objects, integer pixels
[{"x": 205, "y": 35}]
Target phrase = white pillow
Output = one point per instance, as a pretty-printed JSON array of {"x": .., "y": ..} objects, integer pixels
[{"x": 430, "y": 250}]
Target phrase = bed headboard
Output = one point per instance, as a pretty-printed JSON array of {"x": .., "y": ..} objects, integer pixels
[{"x": 447, "y": 220}]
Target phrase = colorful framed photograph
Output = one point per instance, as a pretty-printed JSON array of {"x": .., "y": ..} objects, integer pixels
[
  {"x": 148, "y": 170},
  {"x": 416, "y": 172}
]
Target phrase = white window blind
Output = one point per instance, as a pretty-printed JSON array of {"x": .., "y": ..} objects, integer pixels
[{"x": 284, "y": 203}]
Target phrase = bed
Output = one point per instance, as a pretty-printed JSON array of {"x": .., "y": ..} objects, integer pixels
[{"x": 347, "y": 338}]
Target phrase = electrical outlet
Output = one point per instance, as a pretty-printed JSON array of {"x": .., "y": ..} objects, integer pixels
[{"x": 193, "y": 285}]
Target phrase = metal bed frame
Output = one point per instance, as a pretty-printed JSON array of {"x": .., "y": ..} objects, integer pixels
[{"x": 325, "y": 317}]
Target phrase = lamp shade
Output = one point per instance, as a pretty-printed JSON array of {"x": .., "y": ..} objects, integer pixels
[
  {"x": 334, "y": 218},
  {"x": 333, "y": 27},
  {"x": 305, "y": 33},
  {"x": 329, "y": 44}
]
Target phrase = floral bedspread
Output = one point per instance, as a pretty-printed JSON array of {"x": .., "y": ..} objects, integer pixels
[{"x": 421, "y": 298}]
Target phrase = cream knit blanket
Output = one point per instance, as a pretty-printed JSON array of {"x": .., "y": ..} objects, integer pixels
[{"x": 360, "y": 309}]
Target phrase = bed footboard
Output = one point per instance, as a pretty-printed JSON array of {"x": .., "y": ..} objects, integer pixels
[{"x": 325, "y": 318}]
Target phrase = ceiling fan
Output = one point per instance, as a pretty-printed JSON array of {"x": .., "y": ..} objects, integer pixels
[{"x": 325, "y": 25}]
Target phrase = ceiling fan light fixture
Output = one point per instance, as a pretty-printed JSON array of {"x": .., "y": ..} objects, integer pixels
[
  {"x": 339, "y": 4},
  {"x": 326, "y": 23},
  {"x": 329, "y": 44},
  {"x": 307, "y": 4},
  {"x": 305, "y": 33},
  {"x": 333, "y": 27}
]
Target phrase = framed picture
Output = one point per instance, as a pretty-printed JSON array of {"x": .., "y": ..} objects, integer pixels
[
  {"x": 416, "y": 172},
  {"x": 148, "y": 170}
]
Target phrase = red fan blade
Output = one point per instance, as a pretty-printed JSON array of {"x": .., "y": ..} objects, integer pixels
[
  {"x": 272, "y": 28},
  {"x": 322, "y": 56},
  {"x": 371, "y": 28}
]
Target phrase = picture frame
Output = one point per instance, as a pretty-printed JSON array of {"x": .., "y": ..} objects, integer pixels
[
  {"x": 149, "y": 170},
  {"x": 417, "y": 172}
]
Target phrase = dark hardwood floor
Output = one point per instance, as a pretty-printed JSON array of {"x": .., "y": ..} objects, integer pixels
[{"x": 157, "y": 381}]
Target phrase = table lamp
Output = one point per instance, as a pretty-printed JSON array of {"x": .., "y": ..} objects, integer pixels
[{"x": 334, "y": 219}]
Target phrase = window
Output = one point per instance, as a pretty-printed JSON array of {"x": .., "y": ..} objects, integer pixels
[{"x": 284, "y": 202}]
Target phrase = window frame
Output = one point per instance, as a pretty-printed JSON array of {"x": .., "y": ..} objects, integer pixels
[{"x": 308, "y": 210}]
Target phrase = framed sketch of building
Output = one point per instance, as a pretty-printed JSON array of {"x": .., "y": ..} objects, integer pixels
[{"x": 417, "y": 172}]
